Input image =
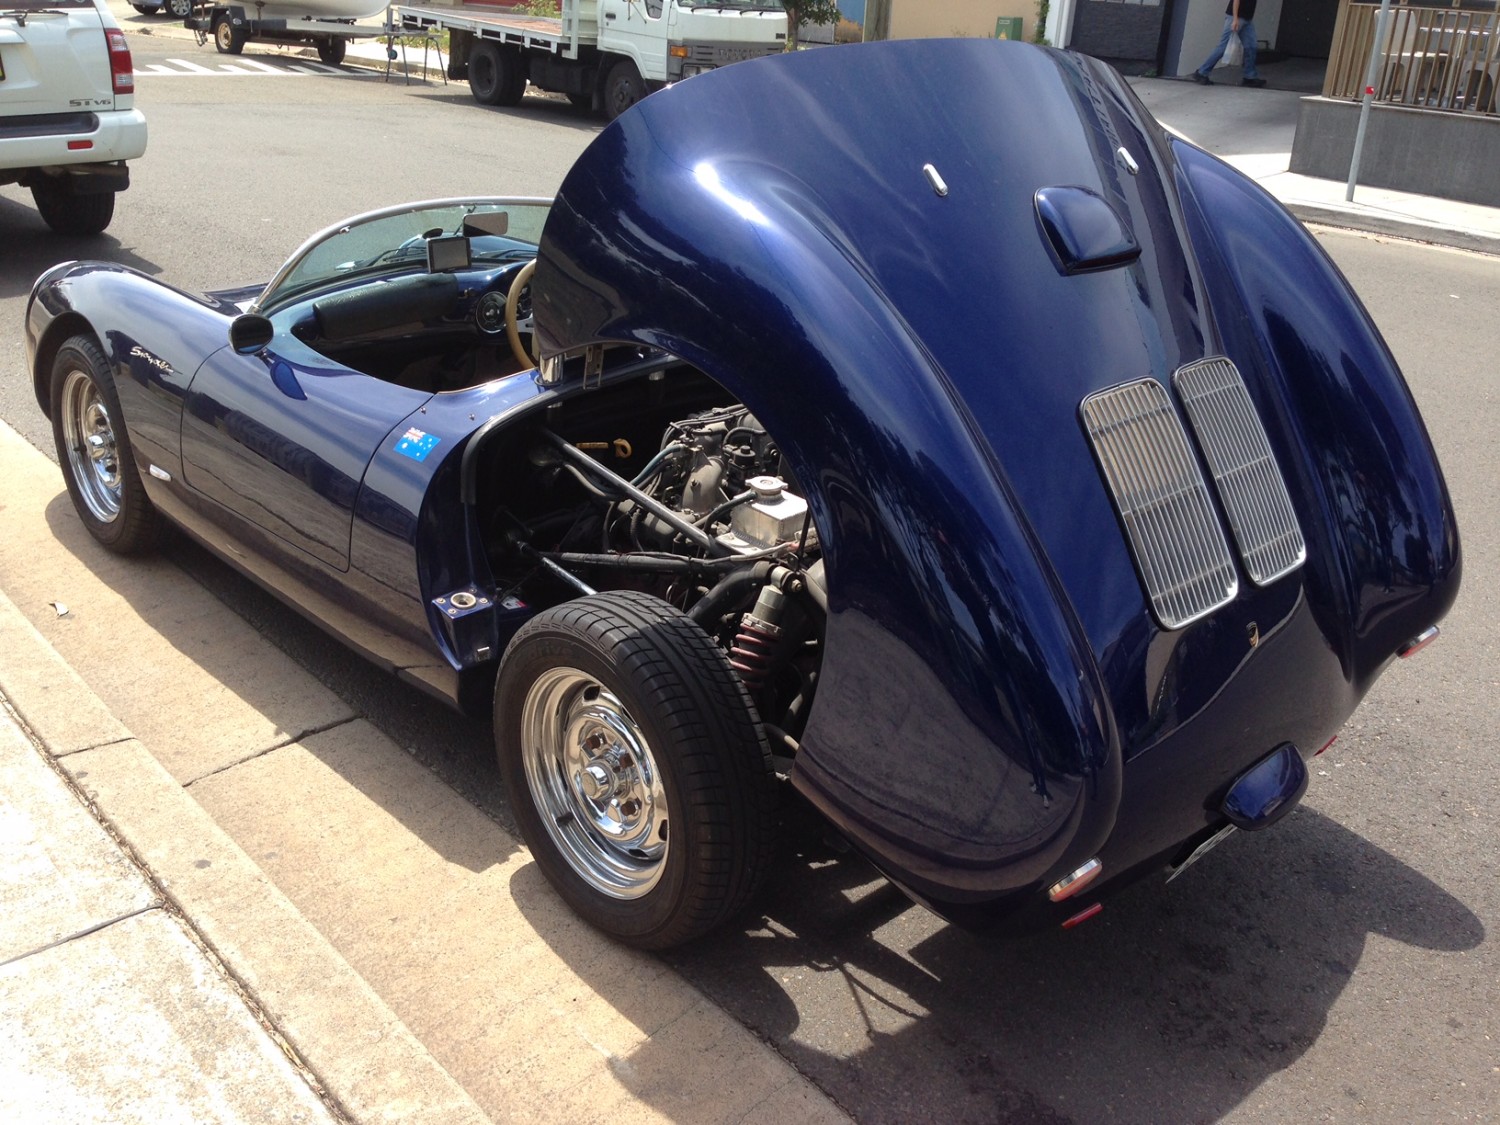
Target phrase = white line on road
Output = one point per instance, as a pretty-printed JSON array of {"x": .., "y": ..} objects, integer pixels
[{"x": 244, "y": 68}]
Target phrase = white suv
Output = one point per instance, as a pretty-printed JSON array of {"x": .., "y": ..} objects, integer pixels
[{"x": 67, "y": 124}]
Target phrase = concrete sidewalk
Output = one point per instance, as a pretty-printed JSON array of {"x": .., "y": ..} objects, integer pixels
[
  {"x": 118, "y": 1008},
  {"x": 1253, "y": 129},
  {"x": 224, "y": 897},
  {"x": 114, "y": 1011}
]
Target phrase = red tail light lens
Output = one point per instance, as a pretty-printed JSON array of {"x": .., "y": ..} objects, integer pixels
[{"x": 121, "y": 70}]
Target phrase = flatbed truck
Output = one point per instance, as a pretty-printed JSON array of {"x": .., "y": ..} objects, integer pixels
[{"x": 605, "y": 55}]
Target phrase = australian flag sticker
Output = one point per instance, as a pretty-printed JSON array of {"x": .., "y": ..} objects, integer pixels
[{"x": 416, "y": 444}]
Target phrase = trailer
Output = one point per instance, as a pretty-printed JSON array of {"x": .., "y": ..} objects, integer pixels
[
  {"x": 605, "y": 55},
  {"x": 329, "y": 25}
]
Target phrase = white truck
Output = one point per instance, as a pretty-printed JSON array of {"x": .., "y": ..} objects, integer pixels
[{"x": 603, "y": 54}]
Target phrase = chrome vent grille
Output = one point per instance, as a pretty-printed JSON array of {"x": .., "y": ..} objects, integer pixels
[
  {"x": 1163, "y": 501},
  {"x": 1239, "y": 456}
]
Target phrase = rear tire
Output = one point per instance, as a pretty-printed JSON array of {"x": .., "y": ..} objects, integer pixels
[
  {"x": 515, "y": 77},
  {"x": 178, "y": 9},
  {"x": 331, "y": 51},
  {"x": 69, "y": 212},
  {"x": 94, "y": 451},
  {"x": 486, "y": 74},
  {"x": 497, "y": 76},
  {"x": 617, "y": 718}
]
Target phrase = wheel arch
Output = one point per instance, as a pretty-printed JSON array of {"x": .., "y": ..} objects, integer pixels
[{"x": 56, "y": 334}]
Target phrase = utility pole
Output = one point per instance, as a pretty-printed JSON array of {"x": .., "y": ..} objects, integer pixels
[{"x": 1364, "y": 109}]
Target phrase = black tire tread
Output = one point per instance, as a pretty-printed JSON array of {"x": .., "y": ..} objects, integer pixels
[
  {"x": 727, "y": 776},
  {"x": 483, "y": 94},
  {"x": 71, "y": 213},
  {"x": 139, "y": 527}
]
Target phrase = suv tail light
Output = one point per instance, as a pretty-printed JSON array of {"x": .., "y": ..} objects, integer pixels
[{"x": 121, "y": 72}]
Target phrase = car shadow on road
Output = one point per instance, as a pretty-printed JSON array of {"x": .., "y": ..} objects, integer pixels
[
  {"x": 1176, "y": 1004},
  {"x": 31, "y": 247}
]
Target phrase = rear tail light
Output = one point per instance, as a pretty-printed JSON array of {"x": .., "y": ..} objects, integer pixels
[{"x": 121, "y": 71}]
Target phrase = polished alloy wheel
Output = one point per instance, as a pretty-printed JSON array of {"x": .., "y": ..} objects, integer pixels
[
  {"x": 90, "y": 439},
  {"x": 594, "y": 783}
]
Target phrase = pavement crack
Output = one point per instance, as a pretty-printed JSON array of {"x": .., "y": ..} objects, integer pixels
[
  {"x": 59, "y": 754},
  {"x": 289, "y": 740},
  {"x": 85, "y": 932}
]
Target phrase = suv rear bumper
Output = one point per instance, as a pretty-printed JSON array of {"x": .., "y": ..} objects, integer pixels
[{"x": 119, "y": 135}]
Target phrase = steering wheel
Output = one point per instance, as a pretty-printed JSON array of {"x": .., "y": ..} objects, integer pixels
[{"x": 512, "y": 303}]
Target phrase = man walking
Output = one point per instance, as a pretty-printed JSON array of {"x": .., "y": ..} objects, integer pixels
[{"x": 1239, "y": 19}]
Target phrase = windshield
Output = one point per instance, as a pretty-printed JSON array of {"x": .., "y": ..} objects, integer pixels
[{"x": 394, "y": 241}]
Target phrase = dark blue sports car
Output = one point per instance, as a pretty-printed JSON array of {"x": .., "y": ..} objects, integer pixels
[{"x": 916, "y": 422}]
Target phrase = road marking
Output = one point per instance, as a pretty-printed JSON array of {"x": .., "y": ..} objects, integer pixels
[{"x": 244, "y": 68}]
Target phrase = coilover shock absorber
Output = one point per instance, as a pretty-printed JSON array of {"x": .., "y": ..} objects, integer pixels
[{"x": 755, "y": 643}]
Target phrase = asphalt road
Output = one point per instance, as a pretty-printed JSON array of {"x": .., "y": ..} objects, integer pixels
[{"x": 1342, "y": 967}]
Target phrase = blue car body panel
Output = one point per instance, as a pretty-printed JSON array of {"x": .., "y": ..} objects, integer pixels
[
  {"x": 848, "y": 247},
  {"x": 994, "y": 681}
]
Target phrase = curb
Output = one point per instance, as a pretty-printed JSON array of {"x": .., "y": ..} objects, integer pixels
[
  {"x": 1414, "y": 230},
  {"x": 359, "y": 1053}
]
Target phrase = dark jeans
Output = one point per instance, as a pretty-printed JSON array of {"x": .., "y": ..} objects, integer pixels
[{"x": 1247, "y": 41}]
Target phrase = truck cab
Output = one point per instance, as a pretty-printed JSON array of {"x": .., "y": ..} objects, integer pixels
[{"x": 673, "y": 39}]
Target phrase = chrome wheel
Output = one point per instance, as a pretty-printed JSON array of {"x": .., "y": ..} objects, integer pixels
[
  {"x": 617, "y": 718},
  {"x": 594, "y": 783},
  {"x": 93, "y": 455}
]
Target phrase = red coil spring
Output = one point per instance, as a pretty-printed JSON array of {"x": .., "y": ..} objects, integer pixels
[{"x": 751, "y": 654}]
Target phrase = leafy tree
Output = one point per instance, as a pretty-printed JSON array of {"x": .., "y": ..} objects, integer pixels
[{"x": 810, "y": 11}]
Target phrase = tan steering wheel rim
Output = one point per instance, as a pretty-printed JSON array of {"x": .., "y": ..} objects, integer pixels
[{"x": 512, "y": 303}]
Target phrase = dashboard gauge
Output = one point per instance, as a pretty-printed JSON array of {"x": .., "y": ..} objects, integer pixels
[{"x": 489, "y": 313}]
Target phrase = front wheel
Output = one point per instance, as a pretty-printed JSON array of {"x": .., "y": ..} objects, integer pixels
[
  {"x": 94, "y": 451},
  {"x": 635, "y": 767},
  {"x": 622, "y": 89},
  {"x": 331, "y": 51},
  {"x": 178, "y": 9}
]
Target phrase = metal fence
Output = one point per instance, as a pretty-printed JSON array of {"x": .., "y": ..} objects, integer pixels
[{"x": 1442, "y": 58}]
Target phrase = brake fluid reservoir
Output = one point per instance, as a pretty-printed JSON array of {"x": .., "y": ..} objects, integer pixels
[{"x": 774, "y": 516}]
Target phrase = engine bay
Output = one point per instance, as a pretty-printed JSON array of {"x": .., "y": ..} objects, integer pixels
[{"x": 660, "y": 484}]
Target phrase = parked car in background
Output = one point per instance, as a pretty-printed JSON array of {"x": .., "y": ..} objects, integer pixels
[
  {"x": 177, "y": 9},
  {"x": 68, "y": 122}
]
